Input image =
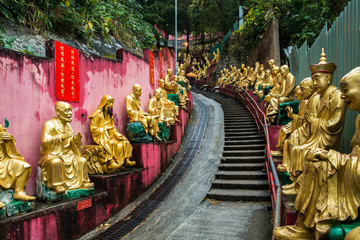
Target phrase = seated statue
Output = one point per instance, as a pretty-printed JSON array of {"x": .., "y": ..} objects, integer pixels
[
  {"x": 14, "y": 171},
  {"x": 136, "y": 114},
  {"x": 171, "y": 111},
  {"x": 117, "y": 149},
  {"x": 259, "y": 79},
  {"x": 157, "y": 108},
  {"x": 172, "y": 87},
  {"x": 62, "y": 164},
  {"x": 303, "y": 93},
  {"x": 329, "y": 190},
  {"x": 325, "y": 123},
  {"x": 285, "y": 94}
]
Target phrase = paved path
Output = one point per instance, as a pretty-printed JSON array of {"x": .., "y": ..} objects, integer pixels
[{"x": 185, "y": 213}]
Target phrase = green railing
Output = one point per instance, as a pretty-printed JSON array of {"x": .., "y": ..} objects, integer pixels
[{"x": 341, "y": 44}]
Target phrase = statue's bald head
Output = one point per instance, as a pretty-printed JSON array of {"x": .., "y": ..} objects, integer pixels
[
  {"x": 62, "y": 106},
  {"x": 137, "y": 90},
  {"x": 63, "y": 111}
]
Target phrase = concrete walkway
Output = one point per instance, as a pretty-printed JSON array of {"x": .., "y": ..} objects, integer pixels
[{"x": 186, "y": 214}]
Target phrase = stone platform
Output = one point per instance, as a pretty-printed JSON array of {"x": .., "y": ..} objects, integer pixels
[{"x": 71, "y": 219}]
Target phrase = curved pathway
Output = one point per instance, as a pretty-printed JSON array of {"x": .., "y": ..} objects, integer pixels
[{"x": 184, "y": 212}]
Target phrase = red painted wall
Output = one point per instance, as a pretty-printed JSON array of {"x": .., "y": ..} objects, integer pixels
[{"x": 27, "y": 94}]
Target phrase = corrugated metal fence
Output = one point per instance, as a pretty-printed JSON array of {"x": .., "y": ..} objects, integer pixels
[{"x": 341, "y": 44}]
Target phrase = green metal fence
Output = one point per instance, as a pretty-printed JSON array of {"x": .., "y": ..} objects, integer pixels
[{"x": 341, "y": 44}]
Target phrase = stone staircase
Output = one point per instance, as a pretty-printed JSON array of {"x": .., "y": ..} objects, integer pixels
[{"x": 240, "y": 176}]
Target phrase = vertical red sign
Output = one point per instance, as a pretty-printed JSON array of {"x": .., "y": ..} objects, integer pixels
[
  {"x": 66, "y": 72},
  {"x": 169, "y": 59},
  {"x": 152, "y": 74},
  {"x": 161, "y": 65}
]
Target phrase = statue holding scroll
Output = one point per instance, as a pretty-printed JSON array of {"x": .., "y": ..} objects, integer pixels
[
  {"x": 117, "y": 150},
  {"x": 62, "y": 164}
]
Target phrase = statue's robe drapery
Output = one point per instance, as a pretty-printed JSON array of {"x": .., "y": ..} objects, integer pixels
[
  {"x": 286, "y": 94},
  {"x": 136, "y": 114},
  {"x": 330, "y": 190},
  {"x": 61, "y": 160},
  {"x": 324, "y": 131},
  {"x": 104, "y": 132},
  {"x": 12, "y": 163}
]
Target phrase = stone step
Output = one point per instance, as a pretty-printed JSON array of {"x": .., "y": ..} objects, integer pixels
[
  {"x": 241, "y": 133},
  {"x": 249, "y": 141},
  {"x": 239, "y": 153},
  {"x": 243, "y": 159},
  {"x": 244, "y": 147},
  {"x": 240, "y": 175},
  {"x": 247, "y": 117},
  {"x": 240, "y": 184},
  {"x": 240, "y": 129},
  {"x": 239, "y": 121},
  {"x": 243, "y": 137},
  {"x": 241, "y": 166},
  {"x": 246, "y": 195}
]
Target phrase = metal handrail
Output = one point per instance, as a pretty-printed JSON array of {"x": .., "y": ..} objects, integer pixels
[{"x": 260, "y": 118}]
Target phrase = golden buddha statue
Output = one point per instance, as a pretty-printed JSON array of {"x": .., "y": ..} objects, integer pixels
[
  {"x": 171, "y": 111},
  {"x": 172, "y": 87},
  {"x": 117, "y": 149},
  {"x": 136, "y": 114},
  {"x": 325, "y": 122},
  {"x": 63, "y": 166},
  {"x": 286, "y": 93},
  {"x": 156, "y": 107},
  {"x": 260, "y": 77},
  {"x": 329, "y": 190},
  {"x": 182, "y": 77},
  {"x": 14, "y": 171},
  {"x": 303, "y": 93}
]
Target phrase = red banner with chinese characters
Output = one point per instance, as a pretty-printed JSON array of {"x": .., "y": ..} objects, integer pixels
[
  {"x": 161, "y": 65},
  {"x": 152, "y": 74},
  {"x": 169, "y": 58},
  {"x": 66, "y": 72}
]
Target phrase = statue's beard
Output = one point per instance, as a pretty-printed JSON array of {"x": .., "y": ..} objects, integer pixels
[{"x": 109, "y": 111}]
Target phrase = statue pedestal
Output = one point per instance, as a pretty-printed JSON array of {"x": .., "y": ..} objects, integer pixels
[
  {"x": 12, "y": 206},
  {"x": 273, "y": 136},
  {"x": 43, "y": 193},
  {"x": 288, "y": 212}
]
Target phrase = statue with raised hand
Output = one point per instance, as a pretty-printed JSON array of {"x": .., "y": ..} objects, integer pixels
[
  {"x": 61, "y": 161},
  {"x": 14, "y": 171}
]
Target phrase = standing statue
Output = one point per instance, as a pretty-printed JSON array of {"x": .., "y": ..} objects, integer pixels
[
  {"x": 325, "y": 123},
  {"x": 62, "y": 164},
  {"x": 330, "y": 191},
  {"x": 117, "y": 149},
  {"x": 14, "y": 171},
  {"x": 136, "y": 114}
]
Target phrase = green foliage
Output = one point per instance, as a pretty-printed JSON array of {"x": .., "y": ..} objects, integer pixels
[
  {"x": 299, "y": 20},
  {"x": 83, "y": 19}
]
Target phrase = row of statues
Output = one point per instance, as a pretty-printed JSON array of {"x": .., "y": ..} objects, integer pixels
[
  {"x": 278, "y": 79},
  {"x": 201, "y": 71},
  {"x": 63, "y": 164},
  {"x": 325, "y": 182}
]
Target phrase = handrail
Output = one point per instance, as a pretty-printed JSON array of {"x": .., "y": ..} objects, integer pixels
[{"x": 260, "y": 119}]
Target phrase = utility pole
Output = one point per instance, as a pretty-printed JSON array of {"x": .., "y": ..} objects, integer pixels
[{"x": 176, "y": 70}]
